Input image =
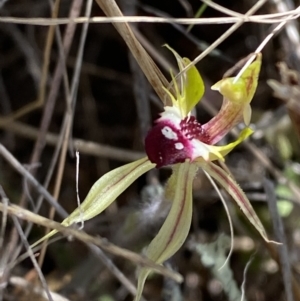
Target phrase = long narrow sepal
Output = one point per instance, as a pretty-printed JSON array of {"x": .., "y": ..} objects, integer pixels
[
  {"x": 175, "y": 229},
  {"x": 226, "y": 181},
  {"x": 104, "y": 192},
  {"x": 107, "y": 189}
]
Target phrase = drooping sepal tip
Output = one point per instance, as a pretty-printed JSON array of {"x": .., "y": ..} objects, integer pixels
[
  {"x": 176, "y": 227},
  {"x": 229, "y": 184}
]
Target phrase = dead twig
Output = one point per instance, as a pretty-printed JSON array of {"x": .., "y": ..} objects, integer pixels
[
  {"x": 141, "y": 88},
  {"x": 25, "y": 173},
  {"x": 151, "y": 71},
  {"x": 280, "y": 237},
  {"x": 100, "y": 242},
  {"x": 83, "y": 146},
  {"x": 28, "y": 248}
]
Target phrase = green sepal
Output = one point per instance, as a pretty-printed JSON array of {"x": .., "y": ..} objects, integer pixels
[
  {"x": 176, "y": 227},
  {"x": 229, "y": 184},
  {"x": 104, "y": 192}
]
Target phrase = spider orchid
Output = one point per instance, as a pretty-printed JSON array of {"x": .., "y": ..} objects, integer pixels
[{"x": 178, "y": 140}]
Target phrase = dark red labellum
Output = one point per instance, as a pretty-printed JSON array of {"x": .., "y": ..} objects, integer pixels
[{"x": 166, "y": 145}]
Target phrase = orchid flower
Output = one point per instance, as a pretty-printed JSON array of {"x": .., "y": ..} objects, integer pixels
[{"x": 179, "y": 141}]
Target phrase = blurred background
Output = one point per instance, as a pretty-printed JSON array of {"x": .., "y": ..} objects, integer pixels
[{"x": 99, "y": 102}]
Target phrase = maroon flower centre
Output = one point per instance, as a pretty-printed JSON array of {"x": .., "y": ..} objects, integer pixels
[
  {"x": 192, "y": 129},
  {"x": 166, "y": 144}
]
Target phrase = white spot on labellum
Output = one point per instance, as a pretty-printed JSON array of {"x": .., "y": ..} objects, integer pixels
[
  {"x": 179, "y": 146},
  {"x": 169, "y": 133}
]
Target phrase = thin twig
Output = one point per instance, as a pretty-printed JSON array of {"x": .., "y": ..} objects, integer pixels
[
  {"x": 83, "y": 146},
  {"x": 39, "y": 202},
  {"x": 27, "y": 246},
  {"x": 271, "y": 35},
  {"x": 43, "y": 74},
  {"x": 47, "y": 54},
  {"x": 4, "y": 220},
  {"x": 100, "y": 242},
  {"x": 264, "y": 19},
  {"x": 49, "y": 107},
  {"x": 225, "y": 35},
  {"x": 22, "y": 170},
  {"x": 222, "y": 9},
  {"x": 201, "y": 45},
  {"x": 280, "y": 236},
  {"x": 20, "y": 282},
  {"x": 291, "y": 45},
  {"x": 151, "y": 71},
  {"x": 60, "y": 67},
  {"x": 114, "y": 269},
  {"x": 66, "y": 130},
  {"x": 32, "y": 63},
  {"x": 141, "y": 87},
  {"x": 58, "y": 179}
]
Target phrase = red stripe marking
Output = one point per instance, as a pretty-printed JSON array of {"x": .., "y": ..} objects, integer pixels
[{"x": 235, "y": 189}]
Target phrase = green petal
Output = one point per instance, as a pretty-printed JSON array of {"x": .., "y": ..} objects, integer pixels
[
  {"x": 194, "y": 87},
  {"x": 240, "y": 91},
  {"x": 191, "y": 86},
  {"x": 244, "y": 134},
  {"x": 104, "y": 192},
  {"x": 234, "y": 92},
  {"x": 175, "y": 229},
  {"x": 247, "y": 113},
  {"x": 219, "y": 152},
  {"x": 237, "y": 194}
]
